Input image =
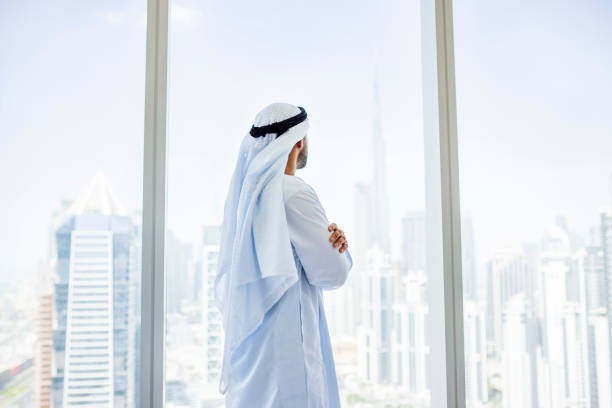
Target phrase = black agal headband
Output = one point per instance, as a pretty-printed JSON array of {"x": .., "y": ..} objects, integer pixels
[{"x": 279, "y": 127}]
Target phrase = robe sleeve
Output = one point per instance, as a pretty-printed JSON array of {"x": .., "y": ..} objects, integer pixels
[{"x": 323, "y": 264}]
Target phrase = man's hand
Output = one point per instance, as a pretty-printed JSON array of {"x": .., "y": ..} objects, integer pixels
[{"x": 337, "y": 237}]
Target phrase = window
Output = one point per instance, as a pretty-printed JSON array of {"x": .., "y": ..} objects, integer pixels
[
  {"x": 71, "y": 115},
  {"x": 358, "y": 73},
  {"x": 533, "y": 99}
]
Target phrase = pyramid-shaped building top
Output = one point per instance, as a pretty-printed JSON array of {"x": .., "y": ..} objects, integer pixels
[{"x": 97, "y": 198}]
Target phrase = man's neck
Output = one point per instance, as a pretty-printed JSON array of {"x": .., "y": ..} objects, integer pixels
[{"x": 290, "y": 168}]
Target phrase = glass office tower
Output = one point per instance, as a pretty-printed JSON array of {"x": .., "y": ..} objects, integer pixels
[{"x": 94, "y": 340}]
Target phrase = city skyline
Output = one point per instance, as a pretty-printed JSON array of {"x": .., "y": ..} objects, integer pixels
[
  {"x": 98, "y": 198},
  {"x": 538, "y": 169}
]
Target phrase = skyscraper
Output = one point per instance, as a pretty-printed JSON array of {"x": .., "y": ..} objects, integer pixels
[
  {"x": 211, "y": 317},
  {"x": 505, "y": 278},
  {"x": 590, "y": 268},
  {"x": 564, "y": 349},
  {"x": 468, "y": 258},
  {"x": 179, "y": 276},
  {"x": 413, "y": 241},
  {"x": 372, "y": 239},
  {"x": 599, "y": 359},
  {"x": 606, "y": 246},
  {"x": 375, "y": 333},
  {"x": 380, "y": 206},
  {"x": 517, "y": 375},
  {"x": 409, "y": 343},
  {"x": 475, "y": 345},
  {"x": 359, "y": 246},
  {"x": 94, "y": 341},
  {"x": 44, "y": 349}
]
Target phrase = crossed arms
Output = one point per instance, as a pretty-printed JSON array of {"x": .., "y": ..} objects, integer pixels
[{"x": 322, "y": 247}]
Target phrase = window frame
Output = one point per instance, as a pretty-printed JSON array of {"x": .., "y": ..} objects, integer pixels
[
  {"x": 153, "y": 316},
  {"x": 442, "y": 186},
  {"x": 450, "y": 214}
]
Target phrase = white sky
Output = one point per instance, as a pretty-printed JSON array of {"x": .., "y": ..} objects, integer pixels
[{"x": 533, "y": 89}]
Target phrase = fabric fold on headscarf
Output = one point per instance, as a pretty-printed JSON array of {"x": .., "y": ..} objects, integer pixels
[{"x": 256, "y": 264}]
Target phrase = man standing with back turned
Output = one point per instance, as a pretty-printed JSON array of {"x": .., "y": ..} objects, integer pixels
[{"x": 278, "y": 251}]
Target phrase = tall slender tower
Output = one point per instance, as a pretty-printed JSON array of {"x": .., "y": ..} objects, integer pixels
[
  {"x": 380, "y": 204},
  {"x": 374, "y": 292},
  {"x": 94, "y": 340}
]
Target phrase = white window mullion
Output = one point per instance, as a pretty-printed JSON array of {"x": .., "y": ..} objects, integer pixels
[
  {"x": 449, "y": 165},
  {"x": 154, "y": 207},
  {"x": 446, "y": 366}
]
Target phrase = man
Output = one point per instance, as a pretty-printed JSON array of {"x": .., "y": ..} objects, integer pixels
[{"x": 278, "y": 252}]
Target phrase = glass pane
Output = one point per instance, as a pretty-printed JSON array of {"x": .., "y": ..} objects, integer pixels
[
  {"x": 71, "y": 131},
  {"x": 357, "y": 70},
  {"x": 534, "y": 99}
]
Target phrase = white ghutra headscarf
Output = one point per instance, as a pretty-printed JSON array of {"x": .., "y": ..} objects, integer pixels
[{"x": 256, "y": 264}]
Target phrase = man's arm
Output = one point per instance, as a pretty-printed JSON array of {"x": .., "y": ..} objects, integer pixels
[{"x": 325, "y": 265}]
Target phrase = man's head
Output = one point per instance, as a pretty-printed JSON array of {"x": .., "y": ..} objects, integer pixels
[{"x": 285, "y": 122}]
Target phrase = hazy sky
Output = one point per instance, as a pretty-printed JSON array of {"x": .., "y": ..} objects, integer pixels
[
  {"x": 534, "y": 99},
  {"x": 533, "y": 88}
]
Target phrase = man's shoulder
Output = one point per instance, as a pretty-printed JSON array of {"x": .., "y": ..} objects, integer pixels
[{"x": 293, "y": 185}]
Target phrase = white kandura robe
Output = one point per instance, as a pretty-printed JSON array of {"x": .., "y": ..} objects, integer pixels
[{"x": 287, "y": 361}]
